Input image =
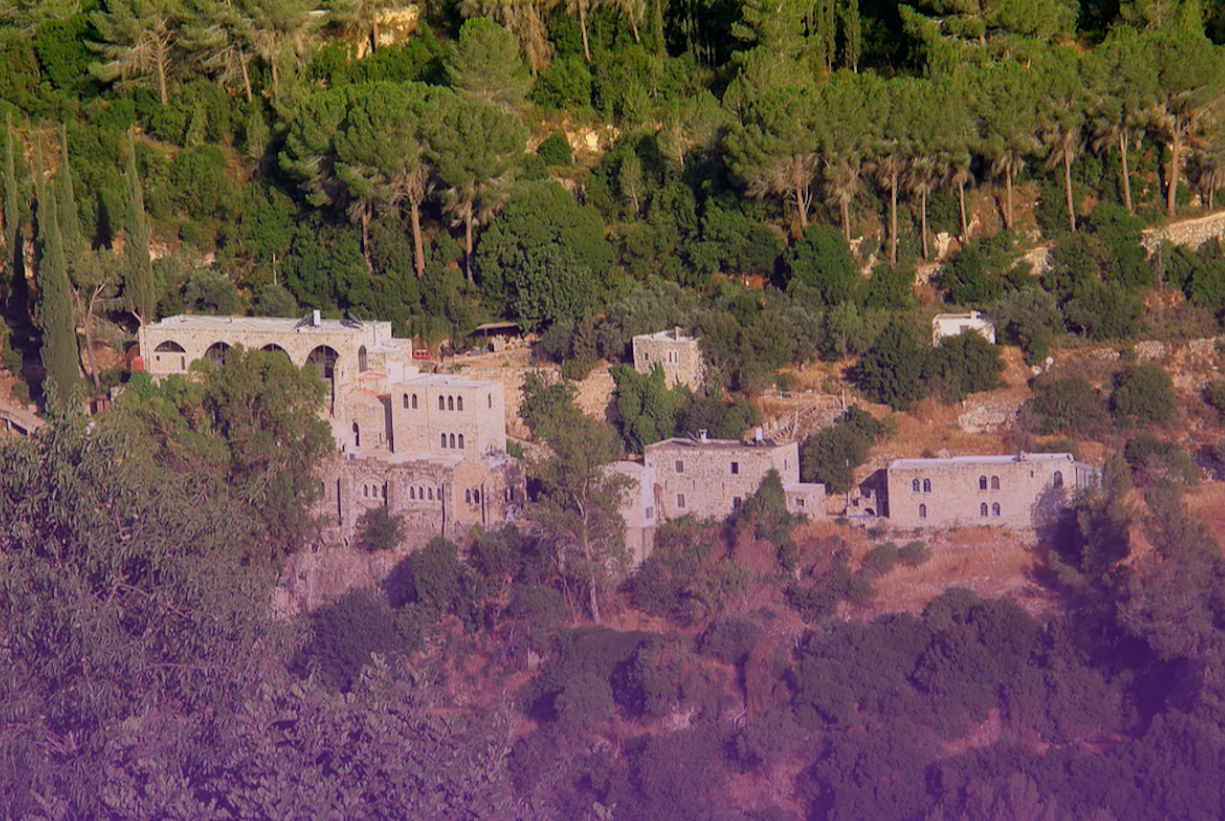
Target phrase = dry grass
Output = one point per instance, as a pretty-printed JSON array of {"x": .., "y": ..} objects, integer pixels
[{"x": 930, "y": 427}]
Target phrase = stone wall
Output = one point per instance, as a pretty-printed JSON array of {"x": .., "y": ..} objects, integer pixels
[
  {"x": 1192, "y": 233},
  {"x": 679, "y": 355},
  {"x": 470, "y": 413}
]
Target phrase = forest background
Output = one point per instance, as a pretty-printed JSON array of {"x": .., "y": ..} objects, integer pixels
[{"x": 751, "y": 160}]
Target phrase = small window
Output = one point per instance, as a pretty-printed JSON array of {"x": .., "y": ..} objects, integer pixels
[
  {"x": 914, "y": 485},
  {"x": 680, "y": 466},
  {"x": 982, "y": 510},
  {"x": 735, "y": 468},
  {"x": 452, "y": 440},
  {"x": 476, "y": 497},
  {"x": 450, "y": 403},
  {"x": 927, "y": 485},
  {"x": 412, "y": 493},
  {"x": 995, "y": 483},
  {"x": 430, "y": 490},
  {"x": 414, "y": 401},
  {"x": 680, "y": 501},
  {"x": 736, "y": 502},
  {"x": 799, "y": 502},
  {"x": 384, "y": 491},
  {"x": 995, "y": 509},
  {"x": 489, "y": 399},
  {"x": 982, "y": 482},
  {"x": 650, "y": 514},
  {"x": 459, "y": 403},
  {"x": 366, "y": 491},
  {"x": 442, "y": 403},
  {"x": 461, "y": 441},
  {"x": 361, "y": 359},
  {"x": 405, "y": 398},
  {"x": 1058, "y": 478},
  {"x": 922, "y": 511},
  {"x": 442, "y": 440},
  {"x": 357, "y": 436},
  {"x": 468, "y": 497}
]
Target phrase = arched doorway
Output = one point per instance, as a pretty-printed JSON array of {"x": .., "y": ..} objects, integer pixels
[
  {"x": 216, "y": 353},
  {"x": 172, "y": 353},
  {"x": 324, "y": 359}
]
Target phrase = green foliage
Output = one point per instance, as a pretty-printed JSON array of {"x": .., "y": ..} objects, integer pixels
[
  {"x": 1158, "y": 459},
  {"x": 832, "y": 454},
  {"x": 378, "y": 529},
  {"x": 209, "y": 292},
  {"x": 549, "y": 285},
  {"x": 965, "y": 364},
  {"x": 822, "y": 260},
  {"x": 718, "y": 417},
  {"x": 485, "y": 68},
  {"x": 817, "y": 601},
  {"x": 555, "y": 150},
  {"x": 1143, "y": 394},
  {"x": 892, "y": 372},
  {"x": 563, "y": 85},
  {"x": 731, "y": 639},
  {"x": 1104, "y": 311},
  {"x": 981, "y": 273},
  {"x": 546, "y": 403},
  {"x": 1068, "y": 405},
  {"x": 1030, "y": 318},
  {"x": 273, "y": 300},
  {"x": 913, "y": 554},
  {"x": 881, "y": 559},
  {"x": 344, "y": 635},
  {"x": 733, "y": 243},
  {"x": 647, "y": 406},
  {"x": 438, "y": 577}
]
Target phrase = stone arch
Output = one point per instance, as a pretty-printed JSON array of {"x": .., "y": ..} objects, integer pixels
[
  {"x": 216, "y": 353},
  {"x": 272, "y": 347},
  {"x": 170, "y": 346},
  {"x": 172, "y": 351},
  {"x": 995, "y": 483},
  {"x": 362, "y": 364},
  {"x": 1057, "y": 479},
  {"x": 324, "y": 359},
  {"x": 459, "y": 403},
  {"x": 995, "y": 510}
]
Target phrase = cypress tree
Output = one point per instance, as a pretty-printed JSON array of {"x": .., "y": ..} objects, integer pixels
[
  {"x": 138, "y": 270},
  {"x": 54, "y": 311},
  {"x": 12, "y": 206},
  {"x": 66, "y": 204}
]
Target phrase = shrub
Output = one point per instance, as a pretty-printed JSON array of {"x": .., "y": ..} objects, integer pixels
[
  {"x": 555, "y": 150},
  {"x": 273, "y": 300},
  {"x": 1214, "y": 395},
  {"x": 209, "y": 292},
  {"x": 822, "y": 260},
  {"x": 732, "y": 639},
  {"x": 881, "y": 559},
  {"x": 913, "y": 554},
  {"x": 378, "y": 529},
  {"x": 1069, "y": 405},
  {"x": 832, "y": 454},
  {"x": 965, "y": 364},
  {"x": 892, "y": 372},
  {"x": 1143, "y": 394},
  {"x": 437, "y": 576},
  {"x": 1159, "y": 459},
  {"x": 1029, "y": 318},
  {"x": 345, "y": 633}
]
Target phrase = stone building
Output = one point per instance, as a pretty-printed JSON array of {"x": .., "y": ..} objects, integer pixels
[
  {"x": 955, "y": 324},
  {"x": 1024, "y": 491},
  {"x": 711, "y": 477},
  {"x": 431, "y": 447},
  {"x": 680, "y": 356}
]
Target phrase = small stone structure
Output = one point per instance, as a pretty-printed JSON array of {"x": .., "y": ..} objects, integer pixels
[
  {"x": 679, "y": 355},
  {"x": 710, "y": 478},
  {"x": 955, "y": 324},
  {"x": 1024, "y": 491},
  {"x": 429, "y": 447}
]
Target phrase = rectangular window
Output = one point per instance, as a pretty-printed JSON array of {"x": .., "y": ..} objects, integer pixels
[
  {"x": 735, "y": 468},
  {"x": 680, "y": 501},
  {"x": 736, "y": 502},
  {"x": 799, "y": 502},
  {"x": 680, "y": 466},
  {"x": 650, "y": 514}
]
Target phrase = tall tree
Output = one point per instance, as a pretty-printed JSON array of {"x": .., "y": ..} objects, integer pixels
[
  {"x": 774, "y": 151},
  {"x": 359, "y": 20},
  {"x": 579, "y": 504},
  {"x": 283, "y": 34},
  {"x": 524, "y": 19},
  {"x": 140, "y": 43},
  {"x": 474, "y": 148},
  {"x": 1007, "y": 108},
  {"x": 485, "y": 67},
  {"x": 12, "y": 201},
  {"x": 54, "y": 310},
  {"x": 1190, "y": 87},
  {"x": 896, "y": 112},
  {"x": 138, "y": 266},
  {"x": 1121, "y": 78},
  {"x": 845, "y": 133},
  {"x": 1064, "y": 104}
]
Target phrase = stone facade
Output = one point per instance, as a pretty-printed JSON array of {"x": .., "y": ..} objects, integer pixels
[
  {"x": 955, "y": 324},
  {"x": 679, "y": 355},
  {"x": 1024, "y": 491},
  {"x": 430, "y": 447},
  {"x": 709, "y": 478}
]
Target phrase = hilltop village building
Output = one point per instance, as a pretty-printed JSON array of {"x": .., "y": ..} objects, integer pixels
[
  {"x": 1024, "y": 491},
  {"x": 956, "y": 324},
  {"x": 710, "y": 478},
  {"x": 679, "y": 355},
  {"x": 429, "y": 447}
]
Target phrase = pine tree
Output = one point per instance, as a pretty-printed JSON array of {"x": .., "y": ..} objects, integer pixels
[
  {"x": 54, "y": 311},
  {"x": 12, "y": 206},
  {"x": 138, "y": 269}
]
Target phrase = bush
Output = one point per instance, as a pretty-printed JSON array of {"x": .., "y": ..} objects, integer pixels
[
  {"x": 1214, "y": 395},
  {"x": 208, "y": 292},
  {"x": 1104, "y": 310},
  {"x": 345, "y": 633},
  {"x": 438, "y": 577},
  {"x": 1143, "y": 394},
  {"x": 831, "y": 455},
  {"x": 965, "y": 364},
  {"x": 1069, "y": 405},
  {"x": 562, "y": 85},
  {"x": 555, "y": 150},
  {"x": 892, "y": 372},
  {"x": 881, "y": 559},
  {"x": 273, "y": 300},
  {"x": 822, "y": 260},
  {"x": 378, "y": 529},
  {"x": 913, "y": 554},
  {"x": 1160, "y": 459}
]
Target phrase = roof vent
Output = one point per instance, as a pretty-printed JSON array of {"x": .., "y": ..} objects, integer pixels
[{"x": 316, "y": 318}]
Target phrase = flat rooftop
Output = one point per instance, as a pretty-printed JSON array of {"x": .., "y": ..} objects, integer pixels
[
  {"x": 439, "y": 380},
  {"x": 259, "y": 324},
  {"x": 954, "y": 461},
  {"x": 713, "y": 444}
]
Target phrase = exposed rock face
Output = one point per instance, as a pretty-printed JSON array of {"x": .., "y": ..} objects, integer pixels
[
  {"x": 313, "y": 579},
  {"x": 1192, "y": 364}
]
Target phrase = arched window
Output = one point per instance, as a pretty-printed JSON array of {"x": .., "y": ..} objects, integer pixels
[
  {"x": 995, "y": 509},
  {"x": 995, "y": 483},
  {"x": 431, "y": 491},
  {"x": 442, "y": 440},
  {"x": 216, "y": 353},
  {"x": 922, "y": 511},
  {"x": 452, "y": 440},
  {"x": 324, "y": 359},
  {"x": 927, "y": 485},
  {"x": 442, "y": 403},
  {"x": 476, "y": 496},
  {"x": 357, "y": 436},
  {"x": 489, "y": 399},
  {"x": 450, "y": 403},
  {"x": 459, "y": 403},
  {"x": 384, "y": 491},
  {"x": 414, "y": 401},
  {"x": 1058, "y": 478},
  {"x": 982, "y": 509},
  {"x": 461, "y": 441},
  {"x": 467, "y": 497},
  {"x": 914, "y": 485},
  {"x": 405, "y": 398},
  {"x": 412, "y": 493},
  {"x": 420, "y": 494},
  {"x": 982, "y": 482},
  {"x": 361, "y": 359},
  {"x": 365, "y": 491}
]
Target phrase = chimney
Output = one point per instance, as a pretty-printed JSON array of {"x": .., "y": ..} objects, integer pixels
[
  {"x": 676, "y": 332},
  {"x": 316, "y": 318},
  {"x": 702, "y": 436}
]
